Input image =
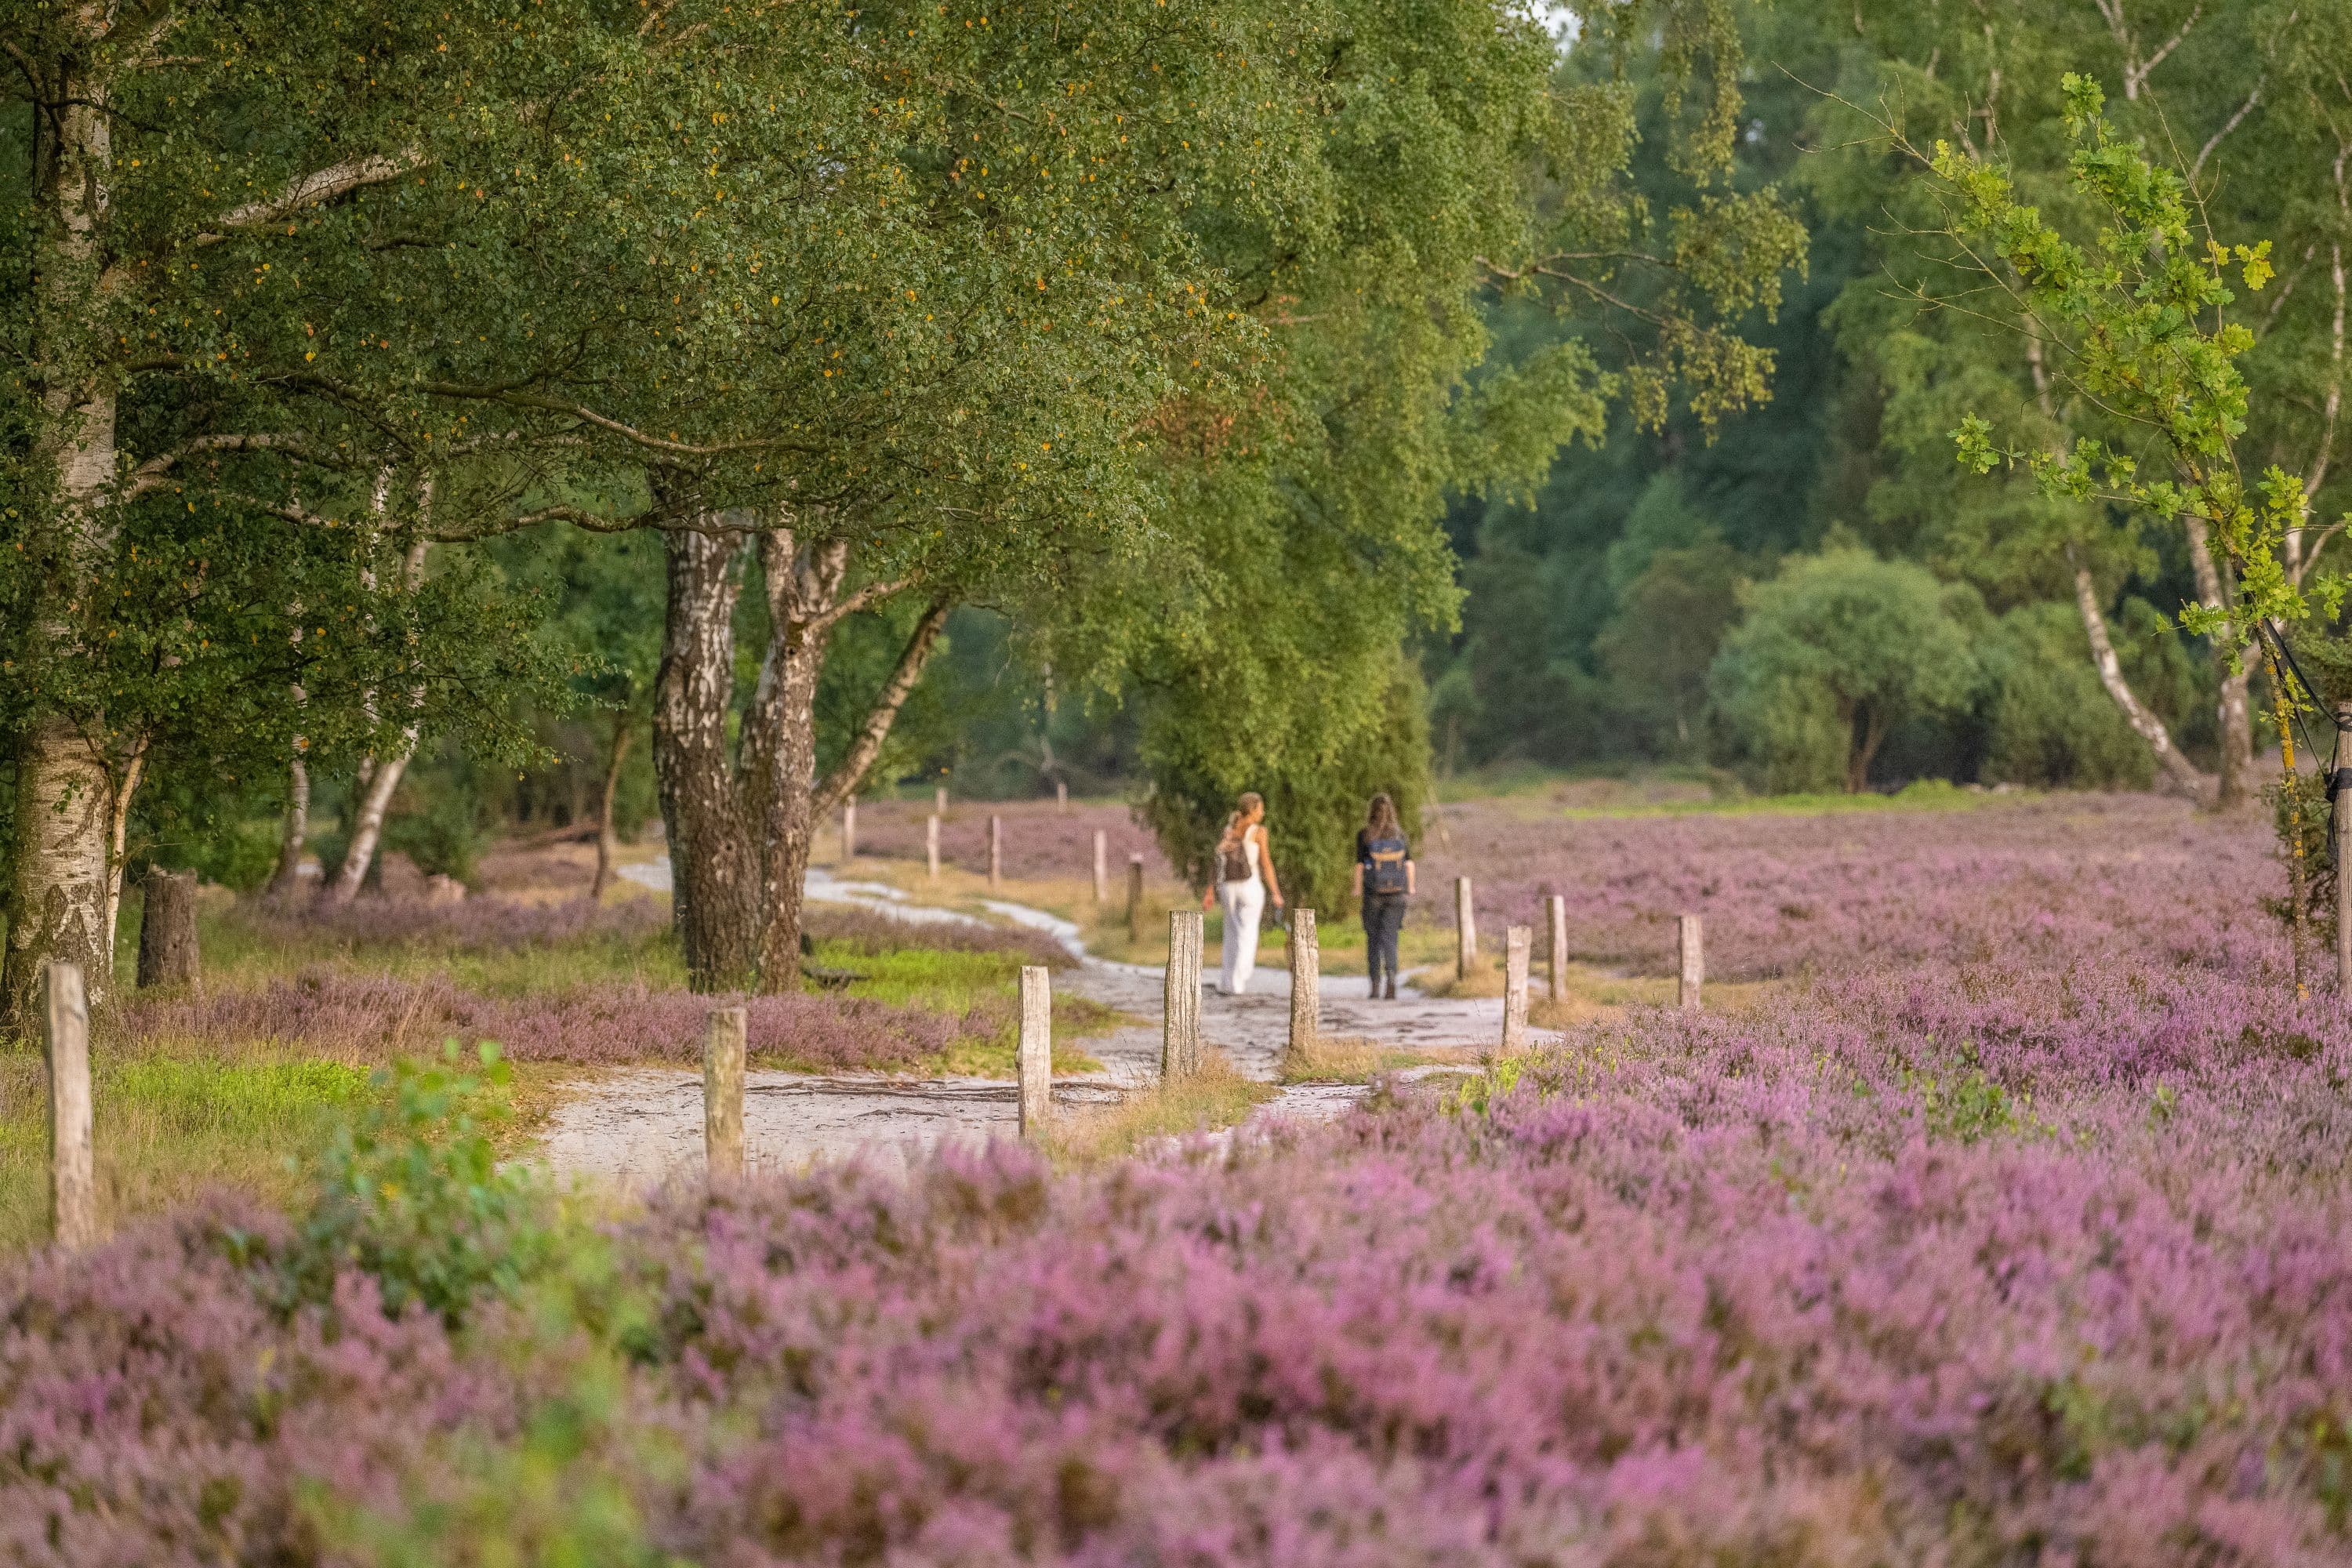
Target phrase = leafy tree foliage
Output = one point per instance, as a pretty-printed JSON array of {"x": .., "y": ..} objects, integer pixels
[{"x": 1832, "y": 654}]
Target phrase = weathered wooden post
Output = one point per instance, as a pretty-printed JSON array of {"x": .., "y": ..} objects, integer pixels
[
  {"x": 1062, "y": 794},
  {"x": 1466, "y": 929},
  {"x": 722, "y": 1093},
  {"x": 167, "y": 930},
  {"x": 73, "y": 1153},
  {"x": 1518, "y": 942},
  {"x": 1694, "y": 964},
  {"x": 1034, "y": 1062},
  {"x": 1102, "y": 867},
  {"x": 1135, "y": 897},
  {"x": 995, "y": 850},
  {"x": 1180, "y": 1040},
  {"x": 931, "y": 845},
  {"x": 940, "y": 801},
  {"x": 1555, "y": 945},
  {"x": 849, "y": 828},
  {"x": 1306, "y": 982},
  {"x": 2342, "y": 826}
]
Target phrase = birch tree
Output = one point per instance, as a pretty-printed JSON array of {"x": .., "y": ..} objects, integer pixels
[{"x": 242, "y": 292}]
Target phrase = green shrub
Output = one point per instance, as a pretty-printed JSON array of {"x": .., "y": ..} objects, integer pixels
[
  {"x": 411, "y": 1192},
  {"x": 2048, "y": 722}
]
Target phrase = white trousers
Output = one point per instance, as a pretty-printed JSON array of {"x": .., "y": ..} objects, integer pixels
[{"x": 1244, "y": 903}]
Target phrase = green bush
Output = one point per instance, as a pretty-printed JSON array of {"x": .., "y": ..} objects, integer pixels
[
  {"x": 1834, "y": 653},
  {"x": 411, "y": 1192},
  {"x": 2048, "y": 722}
]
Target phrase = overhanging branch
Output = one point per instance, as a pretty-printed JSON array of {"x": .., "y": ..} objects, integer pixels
[{"x": 885, "y": 711}]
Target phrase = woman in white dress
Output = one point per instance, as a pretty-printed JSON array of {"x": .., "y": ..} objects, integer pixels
[{"x": 1245, "y": 879}]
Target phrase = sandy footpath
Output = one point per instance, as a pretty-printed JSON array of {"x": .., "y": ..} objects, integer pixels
[{"x": 641, "y": 1126}]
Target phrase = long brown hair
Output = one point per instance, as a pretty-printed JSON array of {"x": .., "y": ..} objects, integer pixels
[{"x": 1381, "y": 822}]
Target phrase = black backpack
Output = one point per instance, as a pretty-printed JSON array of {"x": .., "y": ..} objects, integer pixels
[{"x": 1384, "y": 861}]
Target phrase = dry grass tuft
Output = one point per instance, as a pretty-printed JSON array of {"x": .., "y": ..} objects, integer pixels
[
  {"x": 1350, "y": 1058},
  {"x": 1217, "y": 1097}
]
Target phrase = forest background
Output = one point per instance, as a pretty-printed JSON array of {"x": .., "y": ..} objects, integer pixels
[{"x": 1687, "y": 497}]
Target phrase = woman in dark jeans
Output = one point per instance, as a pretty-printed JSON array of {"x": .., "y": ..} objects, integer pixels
[{"x": 1384, "y": 880}]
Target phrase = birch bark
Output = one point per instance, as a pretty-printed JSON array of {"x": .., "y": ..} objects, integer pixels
[
  {"x": 378, "y": 784},
  {"x": 60, "y": 902},
  {"x": 714, "y": 867}
]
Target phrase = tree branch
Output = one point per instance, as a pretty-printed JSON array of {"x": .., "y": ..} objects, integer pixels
[
  {"x": 514, "y": 398},
  {"x": 154, "y": 473},
  {"x": 319, "y": 185},
  {"x": 850, "y": 604},
  {"x": 885, "y": 711}
]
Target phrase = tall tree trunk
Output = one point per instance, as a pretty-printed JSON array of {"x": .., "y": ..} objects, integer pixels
[
  {"x": 606, "y": 841},
  {"x": 2176, "y": 772},
  {"x": 288, "y": 875},
  {"x": 1867, "y": 727},
  {"x": 803, "y": 588},
  {"x": 2235, "y": 715},
  {"x": 60, "y": 897},
  {"x": 803, "y": 800},
  {"x": 379, "y": 777},
  {"x": 714, "y": 862},
  {"x": 367, "y": 820},
  {"x": 57, "y": 905}
]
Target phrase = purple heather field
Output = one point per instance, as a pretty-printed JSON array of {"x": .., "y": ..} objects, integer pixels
[{"x": 2012, "y": 1230}]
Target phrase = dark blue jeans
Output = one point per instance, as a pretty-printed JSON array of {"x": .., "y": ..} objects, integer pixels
[{"x": 1383, "y": 918}]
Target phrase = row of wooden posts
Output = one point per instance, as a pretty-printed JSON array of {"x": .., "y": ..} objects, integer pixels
[
  {"x": 73, "y": 1182},
  {"x": 996, "y": 859},
  {"x": 1180, "y": 1040}
]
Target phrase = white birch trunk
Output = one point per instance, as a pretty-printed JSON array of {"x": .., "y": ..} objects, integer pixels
[
  {"x": 2178, "y": 772},
  {"x": 379, "y": 777},
  {"x": 61, "y": 900}
]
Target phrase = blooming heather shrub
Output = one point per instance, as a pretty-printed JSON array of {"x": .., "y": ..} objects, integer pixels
[
  {"x": 1040, "y": 842},
  {"x": 1848, "y": 892},
  {"x": 870, "y": 930},
  {"x": 2030, "y": 1247},
  {"x": 1707, "y": 1308},
  {"x": 381, "y": 1018},
  {"x": 476, "y": 925}
]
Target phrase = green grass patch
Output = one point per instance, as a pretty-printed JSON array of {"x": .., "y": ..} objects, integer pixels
[{"x": 168, "y": 1126}]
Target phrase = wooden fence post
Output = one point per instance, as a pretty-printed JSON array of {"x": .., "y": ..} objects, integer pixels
[
  {"x": 931, "y": 845},
  {"x": 1180, "y": 1040},
  {"x": 1062, "y": 794},
  {"x": 2343, "y": 830},
  {"x": 1035, "y": 1060},
  {"x": 1517, "y": 942},
  {"x": 1555, "y": 945},
  {"x": 1306, "y": 982},
  {"x": 73, "y": 1153},
  {"x": 1465, "y": 934},
  {"x": 722, "y": 1093},
  {"x": 167, "y": 930},
  {"x": 1694, "y": 964},
  {"x": 1102, "y": 867},
  {"x": 1135, "y": 897},
  {"x": 849, "y": 828},
  {"x": 995, "y": 850},
  {"x": 940, "y": 801}
]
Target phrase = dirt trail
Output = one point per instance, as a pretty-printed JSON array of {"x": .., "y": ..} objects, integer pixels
[{"x": 639, "y": 1126}]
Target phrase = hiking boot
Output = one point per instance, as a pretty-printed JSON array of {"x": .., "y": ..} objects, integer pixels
[{"x": 1392, "y": 993}]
